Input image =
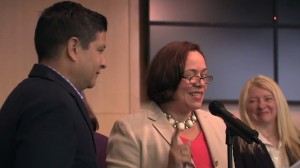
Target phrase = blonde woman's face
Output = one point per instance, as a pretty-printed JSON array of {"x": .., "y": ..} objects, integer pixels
[{"x": 261, "y": 106}]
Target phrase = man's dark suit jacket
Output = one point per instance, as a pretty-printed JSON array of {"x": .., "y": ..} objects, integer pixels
[{"x": 44, "y": 124}]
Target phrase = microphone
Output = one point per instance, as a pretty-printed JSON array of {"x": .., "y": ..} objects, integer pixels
[{"x": 249, "y": 135}]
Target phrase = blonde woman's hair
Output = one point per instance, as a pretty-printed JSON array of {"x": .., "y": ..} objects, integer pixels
[{"x": 288, "y": 133}]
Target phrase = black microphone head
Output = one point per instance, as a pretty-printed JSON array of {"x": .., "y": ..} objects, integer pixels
[{"x": 215, "y": 107}]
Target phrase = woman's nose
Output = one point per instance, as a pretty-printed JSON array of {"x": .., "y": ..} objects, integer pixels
[{"x": 261, "y": 104}]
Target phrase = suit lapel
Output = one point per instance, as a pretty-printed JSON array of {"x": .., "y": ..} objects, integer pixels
[
  {"x": 160, "y": 122},
  {"x": 42, "y": 71},
  {"x": 205, "y": 125}
]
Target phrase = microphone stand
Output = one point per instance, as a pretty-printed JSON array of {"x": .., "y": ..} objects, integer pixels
[{"x": 230, "y": 137}]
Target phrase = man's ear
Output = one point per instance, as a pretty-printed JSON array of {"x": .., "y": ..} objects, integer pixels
[{"x": 73, "y": 48}]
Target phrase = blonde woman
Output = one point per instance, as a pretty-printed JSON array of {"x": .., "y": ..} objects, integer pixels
[{"x": 263, "y": 107}]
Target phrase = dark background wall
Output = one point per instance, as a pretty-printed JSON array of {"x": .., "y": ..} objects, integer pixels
[{"x": 239, "y": 38}]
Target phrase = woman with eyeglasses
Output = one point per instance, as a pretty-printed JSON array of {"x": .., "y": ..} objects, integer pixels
[{"x": 171, "y": 130}]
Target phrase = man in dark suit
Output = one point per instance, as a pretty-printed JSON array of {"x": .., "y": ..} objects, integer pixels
[{"x": 44, "y": 122}]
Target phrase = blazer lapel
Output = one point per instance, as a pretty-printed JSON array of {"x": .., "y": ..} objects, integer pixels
[
  {"x": 43, "y": 71},
  {"x": 205, "y": 126},
  {"x": 160, "y": 122}
]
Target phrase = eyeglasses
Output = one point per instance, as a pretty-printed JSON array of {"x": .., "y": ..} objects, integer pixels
[{"x": 196, "y": 79}]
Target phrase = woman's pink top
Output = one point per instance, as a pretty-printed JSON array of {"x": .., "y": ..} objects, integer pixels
[{"x": 200, "y": 152}]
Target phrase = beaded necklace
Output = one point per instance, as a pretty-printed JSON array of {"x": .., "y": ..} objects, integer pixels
[{"x": 184, "y": 124}]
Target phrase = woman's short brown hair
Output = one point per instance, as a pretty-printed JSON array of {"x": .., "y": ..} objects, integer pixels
[{"x": 166, "y": 70}]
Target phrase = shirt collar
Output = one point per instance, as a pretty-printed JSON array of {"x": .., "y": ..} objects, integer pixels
[
  {"x": 79, "y": 93},
  {"x": 266, "y": 142}
]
